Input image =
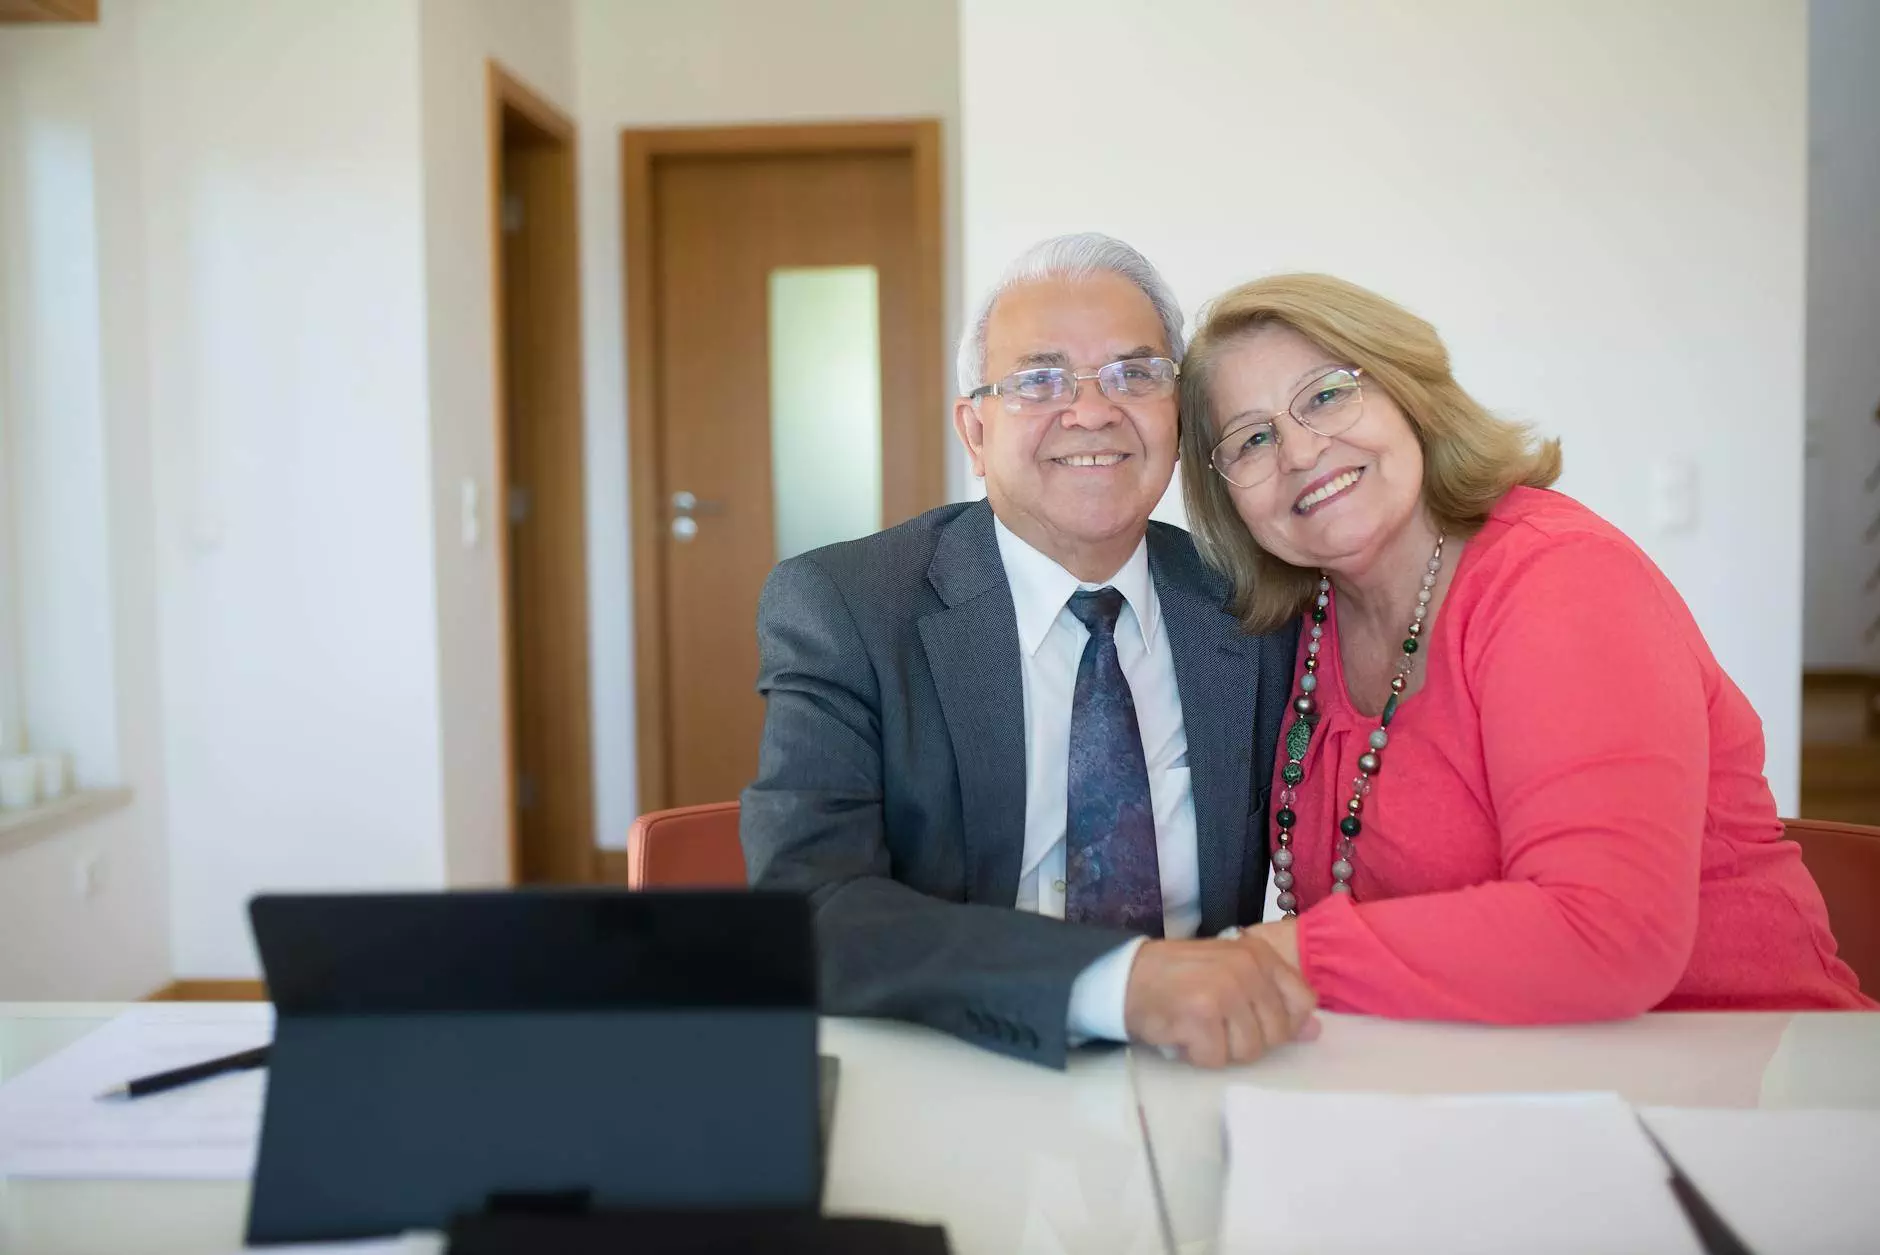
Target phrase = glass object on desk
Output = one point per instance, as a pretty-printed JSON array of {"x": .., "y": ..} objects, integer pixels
[{"x": 825, "y": 405}]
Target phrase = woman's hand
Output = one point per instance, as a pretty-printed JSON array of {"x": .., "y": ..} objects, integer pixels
[{"x": 1282, "y": 935}]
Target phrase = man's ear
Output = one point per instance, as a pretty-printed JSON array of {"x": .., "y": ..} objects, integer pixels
[{"x": 972, "y": 433}]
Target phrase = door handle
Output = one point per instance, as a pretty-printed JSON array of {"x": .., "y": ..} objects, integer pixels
[
  {"x": 686, "y": 503},
  {"x": 685, "y": 506}
]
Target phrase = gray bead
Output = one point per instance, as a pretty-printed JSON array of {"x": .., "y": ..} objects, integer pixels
[
  {"x": 1282, "y": 858},
  {"x": 1339, "y": 886},
  {"x": 1305, "y": 703},
  {"x": 1283, "y": 880},
  {"x": 1341, "y": 870},
  {"x": 1286, "y": 902},
  {"x": 1369, "y": 763},
  {"x": 1379, "y": 739}
]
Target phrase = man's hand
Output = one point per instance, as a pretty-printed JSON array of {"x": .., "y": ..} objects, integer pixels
[{"x": 1218, "y": 1002}]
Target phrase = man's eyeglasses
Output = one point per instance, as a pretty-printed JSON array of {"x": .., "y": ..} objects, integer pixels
[
  {"x": 1040, "y": 388},
  {"x": 1249, "y": 453}
]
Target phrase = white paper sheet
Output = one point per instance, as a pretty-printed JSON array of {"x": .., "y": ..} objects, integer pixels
[
  {"x": 1568, "y": 1173},
  {"x": 409, "y": 1244},
  {"x": 1786, "y": 1182},
  {"x": 52, "y": 1123}
]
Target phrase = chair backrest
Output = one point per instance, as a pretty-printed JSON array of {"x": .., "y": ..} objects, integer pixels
[
  {"x": 1845, "y": 861},
  {"x": 690, "y": 847}
]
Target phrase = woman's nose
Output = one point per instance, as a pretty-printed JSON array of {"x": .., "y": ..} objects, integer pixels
[{"x": 1299, "y": 445}]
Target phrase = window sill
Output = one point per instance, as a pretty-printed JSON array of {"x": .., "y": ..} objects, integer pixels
[{"x": 36, "y": 823}]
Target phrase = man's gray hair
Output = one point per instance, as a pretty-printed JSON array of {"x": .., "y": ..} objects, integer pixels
[{"x": 1078, "y": 256}]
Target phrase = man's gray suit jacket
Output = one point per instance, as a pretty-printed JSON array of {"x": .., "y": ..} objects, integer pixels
[{"x": 891, "y": 784}]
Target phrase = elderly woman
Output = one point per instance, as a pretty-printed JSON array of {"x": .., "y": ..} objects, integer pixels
[{"x": 1516, "y": 786}]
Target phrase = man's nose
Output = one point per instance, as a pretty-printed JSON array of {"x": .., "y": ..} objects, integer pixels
[{"x": 1091, "y": 409}]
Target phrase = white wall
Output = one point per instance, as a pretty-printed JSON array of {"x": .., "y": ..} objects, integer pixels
[
  {"x": 1600, "y": 205},
  {"x": 76, "y": 441},
  {"x": 1843, "y": 332},
  {"x": 534, "y": 41},
  {"x": 278, "y": 386},
  {"x": 713, "y": 62},
  {"x": 287, "y": 314}
]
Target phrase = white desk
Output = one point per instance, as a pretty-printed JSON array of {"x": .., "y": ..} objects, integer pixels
[{"x": 1014, "y": 1158}]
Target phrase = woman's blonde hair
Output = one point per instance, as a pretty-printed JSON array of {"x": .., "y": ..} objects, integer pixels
[{"x": 1470, "y": 457}]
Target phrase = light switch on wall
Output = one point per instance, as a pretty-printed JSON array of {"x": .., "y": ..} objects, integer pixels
[
  {"x": 1674, "y": 496},
  {"x": 470, "y": 510},
  {"x": 88, "y": 876}
]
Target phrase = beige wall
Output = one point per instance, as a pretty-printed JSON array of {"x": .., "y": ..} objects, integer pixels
[
  {"x": 1600, "y": 205},
  {"x": 284, "y": 250}
]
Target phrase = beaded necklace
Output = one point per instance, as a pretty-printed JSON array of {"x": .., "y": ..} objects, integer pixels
[{"x": 1299, "y": 737}]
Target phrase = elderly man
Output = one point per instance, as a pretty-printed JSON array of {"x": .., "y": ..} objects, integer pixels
[{"x": 1016, "y": 751}]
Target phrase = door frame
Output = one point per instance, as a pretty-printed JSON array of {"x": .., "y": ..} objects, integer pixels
[
  {"x": 924, "y": 445},
  {"x": 506, "y": 95}
]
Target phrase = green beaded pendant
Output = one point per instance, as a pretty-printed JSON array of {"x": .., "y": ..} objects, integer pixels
[
  {"x": 1390, "y": 711},
  {"x": 1292, "y": 773},
  {"x": 1298, "y": 737}
]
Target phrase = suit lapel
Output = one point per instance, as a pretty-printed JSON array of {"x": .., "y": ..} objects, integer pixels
[
  {"x": 1217, "y": 678},
  {"x": 972, "y": 651}
]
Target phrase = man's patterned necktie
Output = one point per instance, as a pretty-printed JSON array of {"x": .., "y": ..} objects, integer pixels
[{"x": 1111, "y": 874}]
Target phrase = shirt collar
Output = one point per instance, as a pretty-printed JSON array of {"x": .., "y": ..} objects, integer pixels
[{"x": 1040, "y": 587}]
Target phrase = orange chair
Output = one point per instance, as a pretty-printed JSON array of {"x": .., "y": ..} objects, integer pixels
[
  {"x": 690, "y": 847},
  {"x": 1845, "y": 861}
]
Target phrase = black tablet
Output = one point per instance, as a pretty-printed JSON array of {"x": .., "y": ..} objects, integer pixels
[{"x": 444, "y": 1053}]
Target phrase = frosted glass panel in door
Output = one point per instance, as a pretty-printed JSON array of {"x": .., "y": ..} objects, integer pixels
[{"x": 825, "y": 405}]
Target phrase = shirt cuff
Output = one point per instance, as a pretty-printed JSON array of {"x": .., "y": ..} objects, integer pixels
[{"x": 1098, "y": 994}]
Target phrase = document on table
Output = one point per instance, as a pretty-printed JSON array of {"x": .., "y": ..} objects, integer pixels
[
  {"x": 1567, "y": 1173},
  {"x": 408, "y": 1244},
  {"x": 52, "y": 1123},
  {"x": 1786, "y": 1182}
]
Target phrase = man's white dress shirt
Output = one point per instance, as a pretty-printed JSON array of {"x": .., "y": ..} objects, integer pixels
[{"x": 1050, "y": 645}]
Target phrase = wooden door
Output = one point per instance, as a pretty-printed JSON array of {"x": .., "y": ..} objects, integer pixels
[
  {"x": 541, "y": 485},
  {"x": 722, "y": 225}
]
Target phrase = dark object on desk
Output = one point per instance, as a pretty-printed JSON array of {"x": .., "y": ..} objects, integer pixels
[
  {"x": 625, "y": 1051},
  {"x": 240, "y": 1061},
  {"x": 678, "y": 1233},
  {"x": 1714, "y": 1233}
]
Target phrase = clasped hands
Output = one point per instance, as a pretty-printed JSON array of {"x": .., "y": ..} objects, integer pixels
[{"x": 1221, "y": 1001}]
